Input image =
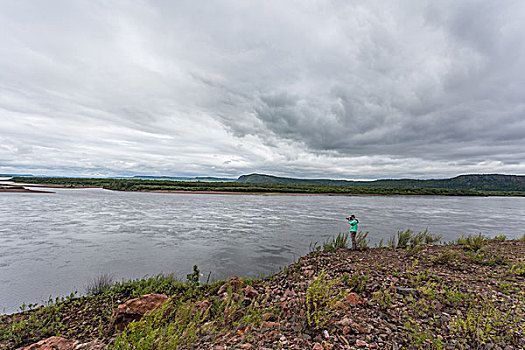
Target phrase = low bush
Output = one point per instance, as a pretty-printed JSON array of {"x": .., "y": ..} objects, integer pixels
[
  {"x": 334, "y": 243},
  {"x": 445, "y": 257},
  {"x": 362, "y": 240},
  {"x": 518, "y": 268},
  {"x": 472, "y": 242},
  {"x": 322, "y": 300}
]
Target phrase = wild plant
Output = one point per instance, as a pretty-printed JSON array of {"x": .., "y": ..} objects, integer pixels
[
  {"x": 361, "y": 240},
  {"x": 421, "y": 337},
  {"x": 385, "y": 296},
  {"x": 334, "y": 243},
  {"x": 356, "y": 283},
  {"x": 99, "y": 284},
  {"x": 445, "y": 257},
  {"x": 484, "y": 323},
  {"x": 518, "y": 268},
  {"x": 403, "y": 238},
  {"x": 322, "y": 300},
  {"x": 472, "y": 242},
  {"x": 193, "y": 278}
]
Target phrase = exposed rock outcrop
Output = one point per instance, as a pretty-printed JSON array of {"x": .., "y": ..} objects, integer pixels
[{"x": 134, "y": 309}]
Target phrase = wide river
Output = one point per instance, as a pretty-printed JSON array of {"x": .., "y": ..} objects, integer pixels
[{"x": 54, "y": 244}]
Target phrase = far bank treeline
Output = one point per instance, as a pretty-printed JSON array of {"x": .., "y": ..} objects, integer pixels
[{"x": 248, "y": 187}]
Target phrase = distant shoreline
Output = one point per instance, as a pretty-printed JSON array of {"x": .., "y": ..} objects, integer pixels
[
  {"x": 235, "y": 193},
  {"x": 221, "y": 188},
  {"x": 21, "y": 190}
]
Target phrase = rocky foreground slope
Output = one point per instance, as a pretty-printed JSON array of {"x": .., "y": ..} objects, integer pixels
[{"x": 462, "y": 296}]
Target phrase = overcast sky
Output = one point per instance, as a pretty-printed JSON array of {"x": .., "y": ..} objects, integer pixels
[{"x": 332, "y": 89}]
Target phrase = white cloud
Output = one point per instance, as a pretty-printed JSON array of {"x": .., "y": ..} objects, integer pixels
[{"x": 311, "y": 89}]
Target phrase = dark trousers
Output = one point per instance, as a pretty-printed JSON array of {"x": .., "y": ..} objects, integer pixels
[{"x": 354, "y": 244}]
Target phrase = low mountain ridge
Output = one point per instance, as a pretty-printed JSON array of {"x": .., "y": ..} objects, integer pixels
[{"x": 482, "y": 182}]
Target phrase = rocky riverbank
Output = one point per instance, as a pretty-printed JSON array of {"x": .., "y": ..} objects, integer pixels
[{"x": 463, "y": 296}]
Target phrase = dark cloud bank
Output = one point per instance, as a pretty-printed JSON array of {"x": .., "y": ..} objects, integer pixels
[{"x": 311, "y": 89}]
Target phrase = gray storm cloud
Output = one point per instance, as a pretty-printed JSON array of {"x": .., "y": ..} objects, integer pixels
[{"x": 322, "y": 88}]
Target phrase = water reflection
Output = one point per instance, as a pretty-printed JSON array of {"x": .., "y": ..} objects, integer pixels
[{"x": 52, "y": 244}]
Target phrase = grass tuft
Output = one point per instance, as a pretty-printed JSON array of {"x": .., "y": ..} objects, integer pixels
[
  {"x": 99, "y": 284},
  {"x": 472, "y": 242}
]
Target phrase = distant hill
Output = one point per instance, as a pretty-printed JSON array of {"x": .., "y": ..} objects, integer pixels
[
  {"x": 176, "y": 178},
  {"x": 480, "y": 182}
]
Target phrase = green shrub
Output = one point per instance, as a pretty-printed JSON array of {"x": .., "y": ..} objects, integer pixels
[
  {"x": 403, "y": 238},
  {"x": 361, "y": 240},
  {"x": 500, "y": 238},
  {"x": 334, "y": 243},
  {"x": 356, "y": 283},
  {"x": 385, "y": 296},
  {"x": 472, "y": 242},
  {"x": 445, "y": 257},
  {"x": 518, "y": 268},
  {"x": 484, "y": 323},
  {"x": 322, "y": 300},
  {"x": 193, "y": 278}
]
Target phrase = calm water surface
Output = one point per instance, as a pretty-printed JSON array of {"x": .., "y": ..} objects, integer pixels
[{"x": 53, "y": 244}]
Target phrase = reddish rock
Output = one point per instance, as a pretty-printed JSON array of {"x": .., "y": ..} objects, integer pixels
[
  {"x": 361, "y": 343},
  {"x": 358, "y": 328},
  {"x": 134, "y": 309},
  {"x": 327, "y": 345},
  {"x": 289, "y": 293},
  {"x": 268, "y": 324},
  {"x": 347, "y": 321},
  {"x": 354, "y": 299},
  {"x": 268, "y": 317},
  {"x": 235, "y": 283},
  {"x": 199, "y": 307},
  {"x": 52, "y": 343},
  {"x": 250, "y": 292}
]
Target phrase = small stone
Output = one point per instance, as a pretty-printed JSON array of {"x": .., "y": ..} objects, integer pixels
[
  {"x": 327, "y": 346},
  {"x": 354, "y": 299},
  {"x": 347, "y": 321},
  {"x": 250, "y": 292},
  {"x": 268, "y": 316},
  {"x": 361, "y": 343},
  {"x": 200, "y": 307},
  {"x": 366, "y": 329},
  {"x": 267, "y": 324},
  {"x": 52, "y": 343},
  {"x": 289, "y": 293},
  {"x": 318, "y": 346},
  {"x": 92, "y": 345},
  {"x": 235, "y": 283}
]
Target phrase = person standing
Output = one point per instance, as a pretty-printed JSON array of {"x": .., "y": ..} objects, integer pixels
[{"x": 352, "y": 221}]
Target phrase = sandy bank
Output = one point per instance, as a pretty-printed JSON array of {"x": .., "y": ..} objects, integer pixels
[{"x": 21, "y": 190}]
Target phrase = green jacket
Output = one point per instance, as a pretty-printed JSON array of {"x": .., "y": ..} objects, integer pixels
[{"x": 353, "y": 225}]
